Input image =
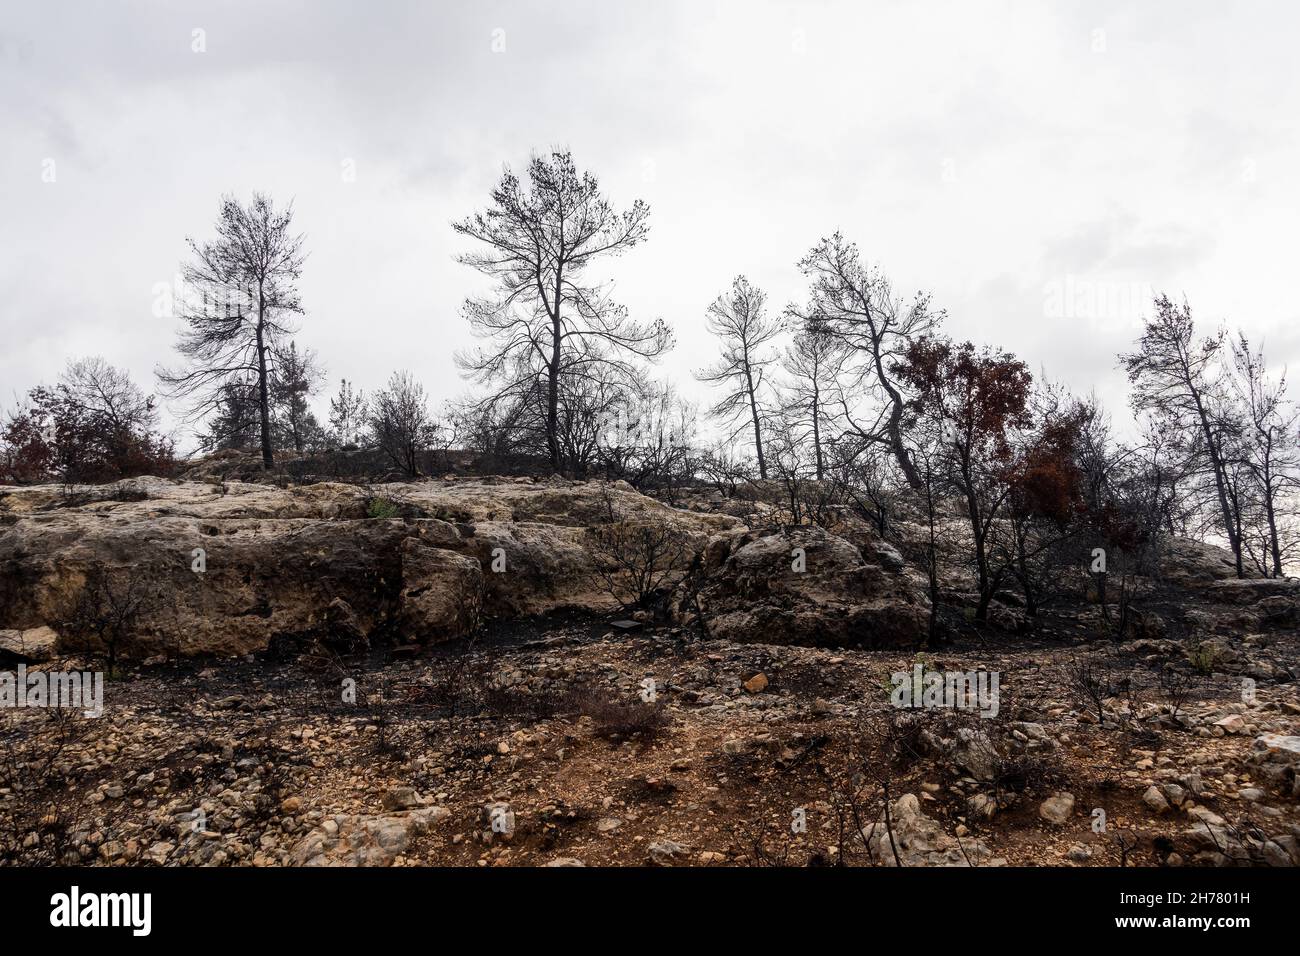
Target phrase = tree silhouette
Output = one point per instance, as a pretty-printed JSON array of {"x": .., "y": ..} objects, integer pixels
[
  {"x": 400, "y": 424},
  {"x": 547, "y": 321},
  {"x": 1177, "y": 380},
  {"x": 857, "y": 305},
  {"x": 241, "y": 295},
  {"x": 739, "y": 322},
  {"x": 812, "y": 364},
  {"x": 979, "y": 398}
]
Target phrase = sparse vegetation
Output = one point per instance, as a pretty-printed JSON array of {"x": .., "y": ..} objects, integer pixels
[
  {"x": 638, "y": 558},
  {"x": 382, "y": 508},
  {"x": 1203, "y": 656}
]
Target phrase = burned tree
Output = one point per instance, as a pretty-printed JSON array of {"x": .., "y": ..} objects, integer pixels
[
  {"x": 857, "y": 305},
  {"x": 400, "y": 423},
  {"x": 548, "y": 321},
  {"x": 739, "y": 322},
  {"x": 812, "y": 364},
  {"x": 1046, "y": 503},
  {"x": 297, "y": 376},
  {"x": 96, "y": 424},
  {"x": 637, "y": 560},
  {"x": 1269, "y": 452},
  {"x": 978, "y": 400},
  {"x": 1176, "y": 380},
  {"x": 348, "y": 411},
  {"x": 241, "y": 296}
]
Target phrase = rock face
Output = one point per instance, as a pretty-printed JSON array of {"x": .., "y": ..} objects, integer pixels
[
  {"x": 230, "y": 568},
  {"x": 1255, "y": 591},
  {"x": 442, "y": 591},
  {"x": 804, "y": 585}
]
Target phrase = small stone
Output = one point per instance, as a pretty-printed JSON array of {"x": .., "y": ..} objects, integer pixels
[
  {"x": 665, "y": 851},
  {"x": 159, "y": 852},
  {"x": 981, "y": 805},
  {"x": 1057, "y": 808},
  {"x": 1173, "y": 793},
  {"x": 1154, "y": 799},
  {"x": 1232, "y": 724},
  {"x": 756, "y": 684},
  {"x": 401, "y": 798},
  {"x": 1206, "y": 816}
]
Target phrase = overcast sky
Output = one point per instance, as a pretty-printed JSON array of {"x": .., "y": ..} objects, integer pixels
[{"x": 1038, "y": 166}]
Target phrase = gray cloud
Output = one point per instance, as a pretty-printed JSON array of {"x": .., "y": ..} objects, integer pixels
[{"x": 981, "y": 150}]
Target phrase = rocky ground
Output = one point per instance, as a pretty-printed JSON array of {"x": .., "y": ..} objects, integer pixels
[
  {"x": 350, "y": 681},
  {"x": 544, "y": 729}
]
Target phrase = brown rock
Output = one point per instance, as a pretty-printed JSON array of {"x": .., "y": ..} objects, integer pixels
[{"x": 32, "y": 645}]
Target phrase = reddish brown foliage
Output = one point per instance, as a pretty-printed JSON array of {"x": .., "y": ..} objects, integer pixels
[
  {"x": 55, "y": 437},
  {"x": 983, "y": 393}
]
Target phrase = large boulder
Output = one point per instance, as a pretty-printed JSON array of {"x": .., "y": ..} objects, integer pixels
[
  {"x": 803, "y": 585},
  {"x": 228, "y": 567},
  {"x": 1191, "y": 563},
  {"x": 261, "y": 577},
  {"x": 1253, "y": 592}
]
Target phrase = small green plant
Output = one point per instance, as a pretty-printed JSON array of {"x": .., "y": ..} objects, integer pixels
[
  {"x": 1203, "y": 657},
  {"x": 886, "y": 686},
  {"x": 382, "y": 508}
]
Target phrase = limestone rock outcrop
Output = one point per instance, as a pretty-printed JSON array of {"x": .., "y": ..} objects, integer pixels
[
  {"x": 228, "y": 568},
  {"x": 805, "y": 585}
]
